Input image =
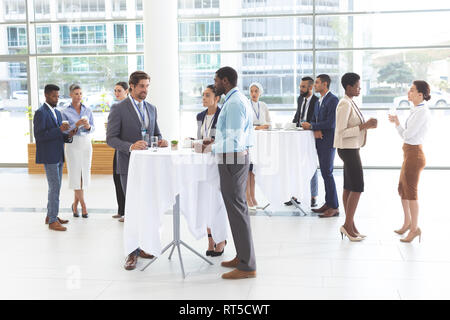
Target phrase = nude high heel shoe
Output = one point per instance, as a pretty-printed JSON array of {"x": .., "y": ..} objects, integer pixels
[
  {"x": 402, "y": 231},
  {"x": 352, "y": 239},
  {"x": 412, "y": 235}
]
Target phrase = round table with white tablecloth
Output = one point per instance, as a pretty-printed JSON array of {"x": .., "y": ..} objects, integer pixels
[
  {"x": 154, "y": 181},
  {"x": 285, "y": 162}
]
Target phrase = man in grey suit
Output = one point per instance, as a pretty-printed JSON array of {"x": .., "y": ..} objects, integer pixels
[{"x": 128, "y": 123}]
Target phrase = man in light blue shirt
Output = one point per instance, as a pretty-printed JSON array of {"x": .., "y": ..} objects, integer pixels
[
  {"x": 234, "y": 129},
  {"x": 234, "y": 133}
]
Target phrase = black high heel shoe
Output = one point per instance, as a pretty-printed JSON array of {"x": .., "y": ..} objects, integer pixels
[
  {"x": 210, "y": 252},
  {"x": 75, "y": 213},
  {"x": 218, "y": 254}
]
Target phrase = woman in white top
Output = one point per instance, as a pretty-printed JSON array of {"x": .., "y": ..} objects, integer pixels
[
  {"x": 413, "y": 134},
  {"x": 79, "y": 152},
  {"x": 206, "y": 122},
  {"x": 350, "y": 136},
  {"x": 261, "y": 121}
]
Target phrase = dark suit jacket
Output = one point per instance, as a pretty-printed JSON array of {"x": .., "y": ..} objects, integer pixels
[
  {"x": 49, "y": 138},
  {"x": 124, "y": 129},
  {"x": 310, "y": 114},
  {"x": 201, "y": 117},
  {"x": 324, "y": 119}
]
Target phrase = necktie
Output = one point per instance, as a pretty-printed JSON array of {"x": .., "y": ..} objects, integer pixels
[
  {"x": 304, "y": 109},
  {"x": 141, "y": 108}
]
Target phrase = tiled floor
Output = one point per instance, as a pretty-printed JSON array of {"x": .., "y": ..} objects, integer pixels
[{"x": 298, "y": 257}]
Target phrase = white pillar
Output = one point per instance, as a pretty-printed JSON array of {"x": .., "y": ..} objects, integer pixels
[{"x": 161, "y": 63}]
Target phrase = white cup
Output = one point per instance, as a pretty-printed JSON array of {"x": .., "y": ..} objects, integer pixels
[
  {"x": 188, "y": 143},
  {"x": 290, "y": 125}
]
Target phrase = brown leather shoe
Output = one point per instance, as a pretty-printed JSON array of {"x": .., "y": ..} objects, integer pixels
[
  {"x": 56, "y": 226},
  {"x": 330, "y": 213},
  {"x": 239, "y": 274},
  {"x": 230, "y": 264},
  {"x": 61, "y": 221},
  {"x": 322, "y": 209},
  {"x": 121, "y": 220},
  {"x": 117, "y": 216},
  {"x": 131, "y": 262},
  {"x": 145, "y": 255}
]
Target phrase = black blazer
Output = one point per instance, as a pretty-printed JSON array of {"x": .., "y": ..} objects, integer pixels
[
  {"x": 201, "y": 117},
  {"x": 310, "y": 114}
]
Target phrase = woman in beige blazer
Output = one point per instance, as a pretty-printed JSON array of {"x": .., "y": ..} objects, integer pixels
[{"x": 350, "y": 136}]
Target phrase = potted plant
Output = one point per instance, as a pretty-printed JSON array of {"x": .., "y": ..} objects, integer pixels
[
  {"x": 105, "y": 108},
  {"x": 174, "y": 144}
]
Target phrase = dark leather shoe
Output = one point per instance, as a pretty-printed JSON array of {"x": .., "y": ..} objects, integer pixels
[
  {"x": 289, "y": 203},
  {"x": 322, "y": 209},
  {"x": 131, "y": 262},
  {"x": 61, "y": 221},
  {"x": 117, "y": 216},
  {"x": 145, "y": 255},
  {"x": 313, "y": 202},
  {"x": 330, "y": 213}
]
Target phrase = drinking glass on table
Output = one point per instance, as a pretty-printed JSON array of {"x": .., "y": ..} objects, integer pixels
[
  {"x": 146, "y": 138},
  {"x": 154, "y": 143}
]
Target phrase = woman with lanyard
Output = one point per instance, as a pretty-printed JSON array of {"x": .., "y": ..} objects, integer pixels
[
  {"x": 413, "y": 135},
  {"x": 121, "y": 93},
  {"x": 261, "y": 121},
  {"x": 79, "y": 153},
  {"x": 206, "y": 122}
]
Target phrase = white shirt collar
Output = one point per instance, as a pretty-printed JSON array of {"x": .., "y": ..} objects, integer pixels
[
  {"x": 325, "y": 95},
  {"x": 51, "y": 108},
  {"x": 418, "y": 107}
]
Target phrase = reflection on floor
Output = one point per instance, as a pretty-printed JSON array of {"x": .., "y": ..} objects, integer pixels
[{"x": 297, "y": 257}]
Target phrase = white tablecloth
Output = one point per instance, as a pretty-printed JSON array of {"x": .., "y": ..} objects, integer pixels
[
  {"x": 154, "y": 180},
  {"x": 285, "y": 162}
]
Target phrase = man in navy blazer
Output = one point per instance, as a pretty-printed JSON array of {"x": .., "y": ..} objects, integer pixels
[
  {"x": 50, "y": 134},
  {"x": 323, "y": 123}
]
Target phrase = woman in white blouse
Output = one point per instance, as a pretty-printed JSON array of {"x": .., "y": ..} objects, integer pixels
[
  {"x": 261, "y": 121},
  {"x": 413, "y": 134},
  {"x": 79, "y": 153}
]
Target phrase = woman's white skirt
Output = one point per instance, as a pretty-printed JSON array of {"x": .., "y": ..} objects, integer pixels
[{"x": 79, "y": 159}]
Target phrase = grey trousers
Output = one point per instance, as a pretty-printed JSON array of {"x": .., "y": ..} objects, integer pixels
[
  {"x": 233, "y": 182},
  {"x": 54, "y": 174}
]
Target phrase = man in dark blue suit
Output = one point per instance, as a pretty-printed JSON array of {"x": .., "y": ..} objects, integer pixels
[
  {"x": 50, "y": 134},
  {"x": 323, "y": 124}
]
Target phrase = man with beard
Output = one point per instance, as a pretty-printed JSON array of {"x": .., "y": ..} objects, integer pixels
[
  {"x": 128, "y": 123},
  {"x": 305, "y": 111},
  {"x": 234, "y": 131}
]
